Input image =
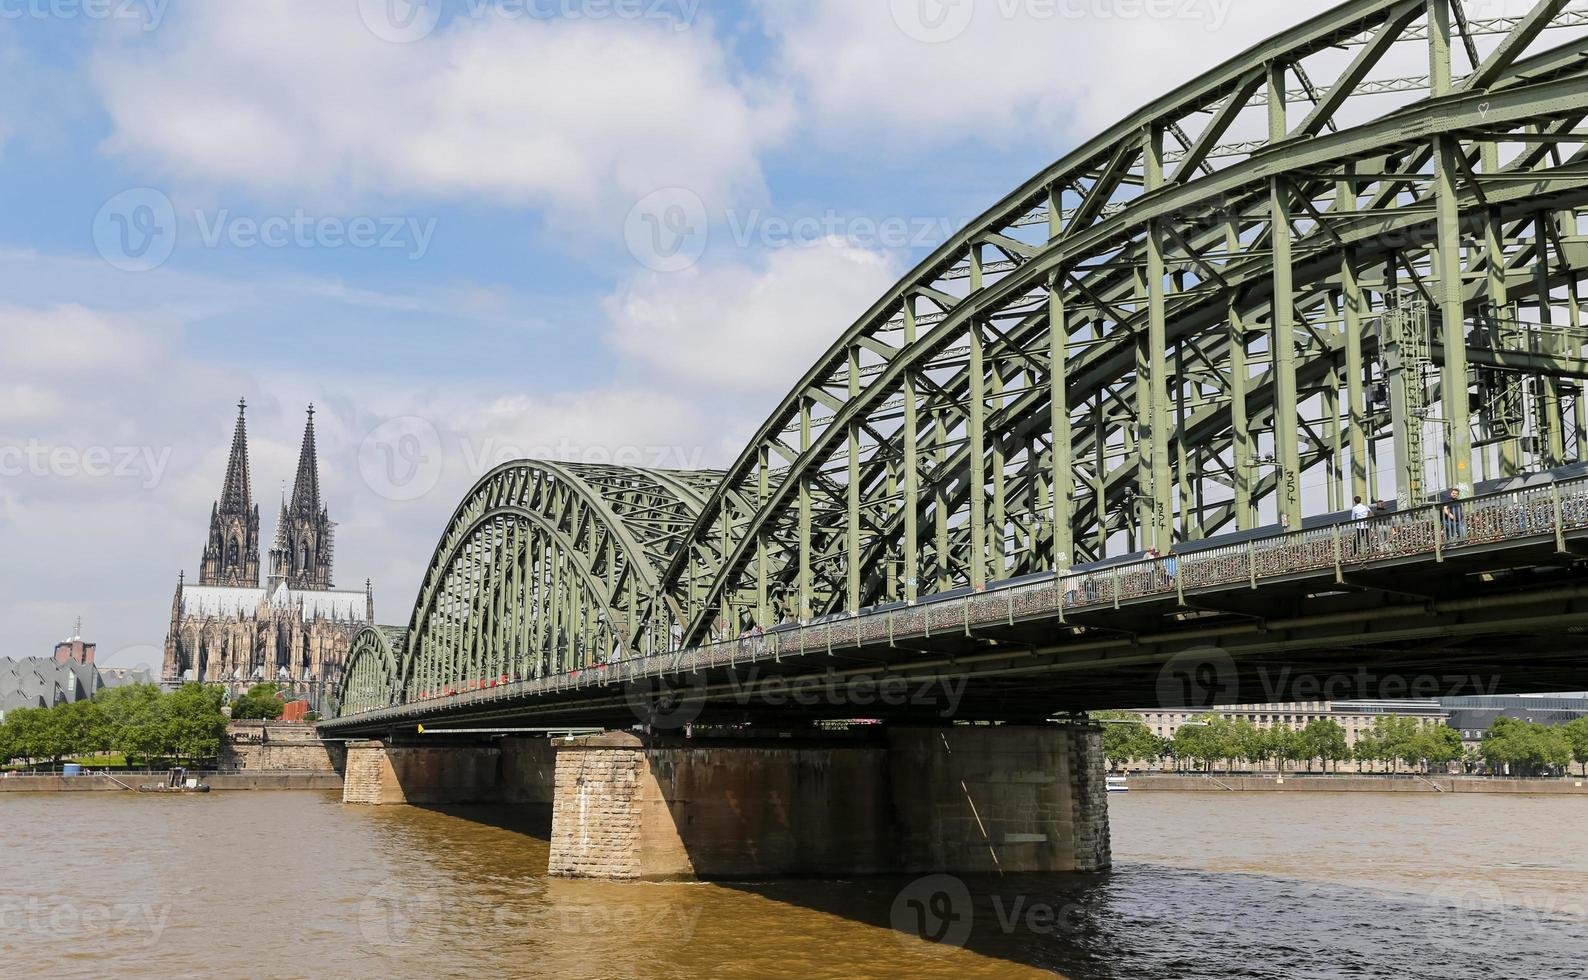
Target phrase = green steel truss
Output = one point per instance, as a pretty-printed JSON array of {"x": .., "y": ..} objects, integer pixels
[{"x": 1173, "y": 331}]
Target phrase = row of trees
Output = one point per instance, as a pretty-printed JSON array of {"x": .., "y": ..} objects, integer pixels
[
  {"x": 139, "y": 721},
  {"x": 1528, "y": 748},
  {"x": 1223, "y": 744}
]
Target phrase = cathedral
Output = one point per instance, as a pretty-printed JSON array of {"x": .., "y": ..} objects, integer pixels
[{"x": 295, "y": 629}]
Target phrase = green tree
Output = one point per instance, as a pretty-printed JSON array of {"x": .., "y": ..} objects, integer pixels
[
  {"x": 38, "y": 735},
  {"x": 1324, "y": 739},
  {"x": 1526, "y": 748},
  {"x": 1247, "y": 742},
  {"x": 1286, "y": 745},
  {"x": 1438, "y": 746},
  {"x": 1576, "y": 733},
  {"x": 134, "y": 718},
  {"x": 1202, "y": 743},
  {"x": 193, "y": 722},
  {"x": 261, "y": 701},
  {"x": 1126, "y": 738}
]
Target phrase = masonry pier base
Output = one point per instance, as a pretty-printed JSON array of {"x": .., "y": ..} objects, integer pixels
[{"x": 912, "y": 800}]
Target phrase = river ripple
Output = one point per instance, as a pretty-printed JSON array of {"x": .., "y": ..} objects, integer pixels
[{"x": 1205, "y": 885}]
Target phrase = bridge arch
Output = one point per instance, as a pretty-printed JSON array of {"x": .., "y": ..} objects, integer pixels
[{"x": 546, "y": 568}]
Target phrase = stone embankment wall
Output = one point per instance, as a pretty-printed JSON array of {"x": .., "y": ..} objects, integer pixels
[{"x": 271, "y": 746}]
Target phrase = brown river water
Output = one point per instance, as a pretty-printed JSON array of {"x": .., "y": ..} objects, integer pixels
[{"x": 1205, "y": 885}]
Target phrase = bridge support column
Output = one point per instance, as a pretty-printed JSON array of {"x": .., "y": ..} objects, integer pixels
[
  {"x": 912, "y": 800},
  {"x": 510, "y": 770}
]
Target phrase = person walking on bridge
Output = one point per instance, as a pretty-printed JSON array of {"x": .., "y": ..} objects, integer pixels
[
  {"x": 1360, "y": 514},
  {"x": 1455, "y": 518}
]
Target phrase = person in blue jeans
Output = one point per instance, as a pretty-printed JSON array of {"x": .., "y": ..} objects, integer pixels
[{"x": 1455, "y": 518}]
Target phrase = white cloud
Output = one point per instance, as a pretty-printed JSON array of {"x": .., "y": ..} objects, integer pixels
[
  {"x": 65, "y": 340},
  {"x": 298, "y": 98},
  {"x": 1002, "y": 70},
  {"x": 748, "y": 329}
]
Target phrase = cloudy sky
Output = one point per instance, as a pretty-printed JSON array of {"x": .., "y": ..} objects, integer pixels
[{"x": 472, "y": 231}]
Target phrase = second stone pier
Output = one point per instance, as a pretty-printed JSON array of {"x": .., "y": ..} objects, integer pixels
[{"x": 961, "y": 799}]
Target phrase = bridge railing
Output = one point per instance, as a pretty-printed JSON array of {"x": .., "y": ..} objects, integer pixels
[
  {"x": 1543, "y": 511},
  {"x": 1546, "y": 511}
]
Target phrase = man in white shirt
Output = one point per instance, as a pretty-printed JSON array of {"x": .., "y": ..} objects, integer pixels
[{"x": 1360, "y": 513}]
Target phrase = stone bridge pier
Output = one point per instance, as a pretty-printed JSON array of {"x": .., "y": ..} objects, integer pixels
[{"x": 960, "y": 799}]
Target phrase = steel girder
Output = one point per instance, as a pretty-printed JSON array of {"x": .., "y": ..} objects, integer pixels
[
  {"x": 919, "y": 454},
  {"x": 1168, "y": 333}
]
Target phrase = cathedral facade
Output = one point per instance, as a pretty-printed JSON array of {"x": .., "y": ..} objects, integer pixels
[{"x": 295, "y": 628}]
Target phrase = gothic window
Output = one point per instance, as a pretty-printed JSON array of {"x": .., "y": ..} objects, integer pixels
[
  {"x": 231, "y": 553},
  {"x": 305, "y": 564}
]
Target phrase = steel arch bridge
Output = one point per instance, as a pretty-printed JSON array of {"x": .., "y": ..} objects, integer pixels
[{"x": 1345, "y": 263}]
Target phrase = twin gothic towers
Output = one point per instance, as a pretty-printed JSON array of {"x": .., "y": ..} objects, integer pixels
[{"x": 304, "y": 542}]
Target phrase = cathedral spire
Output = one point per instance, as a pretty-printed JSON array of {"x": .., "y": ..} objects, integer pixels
[
  {"x": 231, "y": 553},
  {"x": 237, "y": 491},
  {"x": 304, "y": 532},
  {"x": 306, "y": 489}
]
